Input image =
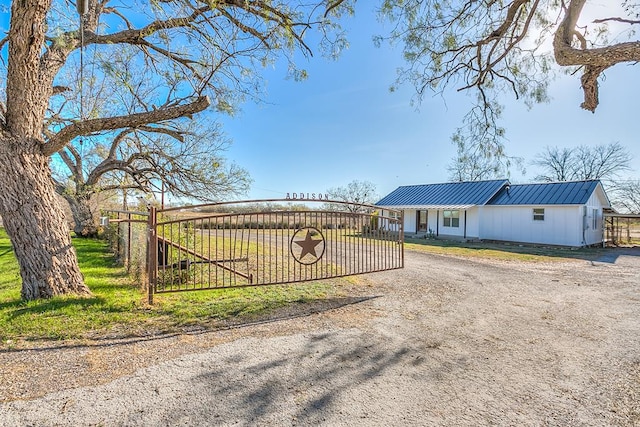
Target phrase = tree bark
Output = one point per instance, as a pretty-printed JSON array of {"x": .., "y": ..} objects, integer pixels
[
  {"x": 35, "y": 222},
  {"x": 84, "y": 219},
  {"x": 594, "y": 60},
  {"x": 32, "y": 216}
]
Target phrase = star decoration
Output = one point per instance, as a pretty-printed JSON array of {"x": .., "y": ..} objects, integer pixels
[{"x": 308, "y": 245}]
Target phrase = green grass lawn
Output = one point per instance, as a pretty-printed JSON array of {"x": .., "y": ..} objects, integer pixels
[
  {"x": 118, "y": 307},
  {"x": 501, "y": 251}
]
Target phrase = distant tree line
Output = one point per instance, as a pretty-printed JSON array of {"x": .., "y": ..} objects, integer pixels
[{"x": 605, "y": 162}]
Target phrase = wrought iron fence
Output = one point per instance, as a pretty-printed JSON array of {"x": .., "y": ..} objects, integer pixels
[
  {"x": 251, "y": 243},
  {"x": 236, "y": 246}
]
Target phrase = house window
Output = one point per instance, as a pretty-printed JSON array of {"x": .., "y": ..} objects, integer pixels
[
  {"x": 451, "y": 218},
  {"x": 595, "y": 219},
  {"x": 538, "y": 214}
]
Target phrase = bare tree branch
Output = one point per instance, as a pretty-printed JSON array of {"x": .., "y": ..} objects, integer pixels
[
  {"x": 490, "y": 47},
  {"x": 87, "y": 127},
  {"x": 604, "y": 162},
  {"x": 595, "y": 60},
  {"x": 625, "y": 21}
]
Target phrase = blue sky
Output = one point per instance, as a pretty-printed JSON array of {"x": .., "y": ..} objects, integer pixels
[{"x": 343, "y": 124}]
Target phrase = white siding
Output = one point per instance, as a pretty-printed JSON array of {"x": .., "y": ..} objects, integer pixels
[
  {"x": 410, "y": 221},
  {"x": 386, "y": 222},
  {"x": 566, "y": 225},
  {"x": 473, "y": 223},
  {"x": 432, "y": 220},
  {"x": 562, "y": 225},
  {"x": 595, "y": 203},
  {"x": 457, "y": 232},
  {"x": 435, "y": 223}
]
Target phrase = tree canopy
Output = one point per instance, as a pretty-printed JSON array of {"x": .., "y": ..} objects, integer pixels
[
  {"x": 182, "y": 158},
  {"x": 604, "y": 162},
  {"x": 145, "y": 65},
  {"x": 626, "y": 196},
  {"x": 356, "y": 193},
  {"x": 492, "y": 47},
  {"x": 158, "y": 61},
  {"x": 472, "y": 163}
]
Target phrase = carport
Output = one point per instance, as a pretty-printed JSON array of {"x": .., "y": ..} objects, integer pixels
[{"x": 621, "y": 229}]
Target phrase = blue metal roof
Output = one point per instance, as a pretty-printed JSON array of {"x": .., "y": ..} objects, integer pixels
[
  {"x": 446, "y": 194},
  {"x": 553, "y": 193}
]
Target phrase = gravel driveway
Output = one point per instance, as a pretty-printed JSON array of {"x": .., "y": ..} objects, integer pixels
[{"x": 445, "y": 341}]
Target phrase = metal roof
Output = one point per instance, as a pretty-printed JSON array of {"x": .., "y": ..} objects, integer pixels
[
  {"x": 552, "y": 193},
  {"x": 461, "y": 195}
]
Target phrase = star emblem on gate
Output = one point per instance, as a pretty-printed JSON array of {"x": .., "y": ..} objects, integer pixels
[{"x": 308, "y": 250}]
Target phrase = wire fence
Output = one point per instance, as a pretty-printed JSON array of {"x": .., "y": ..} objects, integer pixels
[{"x": 128, "y": 233}]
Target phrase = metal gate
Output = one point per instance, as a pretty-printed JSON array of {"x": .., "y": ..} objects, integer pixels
[{"x": 249, "y": 243}]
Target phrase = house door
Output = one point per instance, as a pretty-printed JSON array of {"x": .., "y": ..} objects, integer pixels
[{"x": 421, "y": 221}]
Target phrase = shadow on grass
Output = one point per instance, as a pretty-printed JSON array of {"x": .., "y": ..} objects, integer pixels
[
  {"x": 611, "y": 255},
  {"x": 6, "y": 252},
  {"x": 17, "y": 308},
  {"x": 587, "y": 254},
  {"x": 292, "y": 311},
  {"x": 95, "y": 261},
  {"x": 93, "y": 252}
]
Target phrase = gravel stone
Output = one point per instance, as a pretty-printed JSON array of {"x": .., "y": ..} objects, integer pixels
[{"x": 445, "y": 341}]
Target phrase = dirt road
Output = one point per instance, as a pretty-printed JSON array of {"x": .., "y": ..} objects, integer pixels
[{"x": 446, "y": 341}]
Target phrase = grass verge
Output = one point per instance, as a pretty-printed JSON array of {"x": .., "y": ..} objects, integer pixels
[
  {"x": 118, "y": 307},
  {"x": 502, "y": 251}
]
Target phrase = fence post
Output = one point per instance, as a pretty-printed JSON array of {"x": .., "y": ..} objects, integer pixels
[
  {"x": 152, "y": 252},
  {"x": 118, "y": 244},
  {"x": 401, "y": 238},
  {"x": 129, "y": 238}
]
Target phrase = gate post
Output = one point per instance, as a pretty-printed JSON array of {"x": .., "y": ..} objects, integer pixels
[
  {"x": 401, "y": 238},
  {"x": 152, "y": 251}
]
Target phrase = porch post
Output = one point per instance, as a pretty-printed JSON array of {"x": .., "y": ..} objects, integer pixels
[{"x": 465, "y": 224}]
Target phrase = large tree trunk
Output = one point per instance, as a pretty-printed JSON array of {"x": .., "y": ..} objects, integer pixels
[
  {"x": 84, "y": 219},
  {"x": 31, "y": 213},
  {"x": 35, "y": 222}
]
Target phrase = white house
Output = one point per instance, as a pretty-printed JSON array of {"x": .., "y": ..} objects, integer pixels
[{"x": 558, "y": 213}]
